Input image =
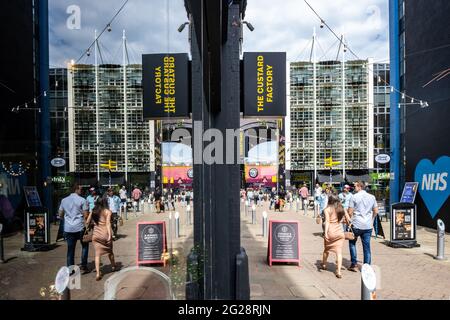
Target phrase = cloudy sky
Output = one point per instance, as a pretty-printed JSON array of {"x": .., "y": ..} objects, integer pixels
[{"x": 284, "y": 25}]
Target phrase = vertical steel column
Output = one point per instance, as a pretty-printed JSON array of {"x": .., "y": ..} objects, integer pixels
[
  {"x": 97, "y": 109},
  {"x": 44, "y": 105},
  {"x": 343, "y": 107},
  {"x": 125, "y": 104},
  {"x": 395, "y": 99},
  {"x": 222, "y": 267}
]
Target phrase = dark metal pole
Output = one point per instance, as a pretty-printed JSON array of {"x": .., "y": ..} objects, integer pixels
[
  {"x": 2, "y": 252},
  {"x": 222, "y": 265},
  {"x": 45, "y": 104}
]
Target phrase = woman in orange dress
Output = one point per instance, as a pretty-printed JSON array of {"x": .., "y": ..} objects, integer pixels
[
  {"x": 334, "y": 234},
  {"x": 102, "y": 238}
]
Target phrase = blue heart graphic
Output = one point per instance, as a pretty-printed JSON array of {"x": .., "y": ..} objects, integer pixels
[{"x": 434, "y": 198}]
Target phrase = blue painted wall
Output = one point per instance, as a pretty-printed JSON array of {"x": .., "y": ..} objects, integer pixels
[{"x": 395, "y": 99}]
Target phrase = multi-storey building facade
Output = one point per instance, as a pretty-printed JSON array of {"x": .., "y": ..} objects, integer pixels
[
  {"x": 106, "y": 123},
  {"x": 58, "y": 113},
  {"x": 331, "y": 116},
  {"x": 382, "y": 91}
]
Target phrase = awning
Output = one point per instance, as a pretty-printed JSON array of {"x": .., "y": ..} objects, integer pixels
[
  {"x": 86, "y": 182},
  {"x": 354, "y": 178},
  {"x": 115, "y": 181},
  {"x": 335, "y": 178}
]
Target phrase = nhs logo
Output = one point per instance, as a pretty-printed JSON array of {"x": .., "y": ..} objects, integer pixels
[{"x": 433, "y": 183}]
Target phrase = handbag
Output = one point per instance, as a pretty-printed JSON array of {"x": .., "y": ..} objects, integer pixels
[
  {"x": 349, "y": 235},
  {"x": 88, "y": 233},
  {"x": 319, "y": 219}
]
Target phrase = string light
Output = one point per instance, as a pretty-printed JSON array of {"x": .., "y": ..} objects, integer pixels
[
  {"x": 20, "y": 171},
  {"x": 73, "y": 62},
  {"x": 106, "y": 28}
]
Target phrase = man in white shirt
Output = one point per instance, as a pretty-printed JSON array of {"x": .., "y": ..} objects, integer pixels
[
  {"x": 75, "y": 209},
  {"x": 123, "y": 201},
  {"x": 363, "y": 209}
]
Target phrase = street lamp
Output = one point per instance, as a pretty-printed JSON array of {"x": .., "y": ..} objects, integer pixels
[
  {"x": 249, "y": 25},
  {"x": 181, "y": 28}
]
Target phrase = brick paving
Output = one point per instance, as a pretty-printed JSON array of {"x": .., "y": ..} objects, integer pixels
[{"x": 402, "y": 273}]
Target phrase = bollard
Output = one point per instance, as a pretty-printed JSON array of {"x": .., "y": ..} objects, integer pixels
[
  {"x": 264, "y": 224},
  {"x": 440, "y": 240},
  {"x": 253, "y": 214},
  {"x": 177, "y": 224},
  {"x": 2, "y": 252},
  {"x": 368, "y": 283},
  {"x": 62, "y": 283},
  {"x": 188, "y": 214}
]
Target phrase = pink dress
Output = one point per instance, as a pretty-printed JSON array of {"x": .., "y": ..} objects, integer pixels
[
  {"x": 336, "y": 236},
  {"x": 100, "y": 237}
]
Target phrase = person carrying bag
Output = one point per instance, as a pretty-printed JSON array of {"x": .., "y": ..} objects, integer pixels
[{"x": 88, "y": 233}]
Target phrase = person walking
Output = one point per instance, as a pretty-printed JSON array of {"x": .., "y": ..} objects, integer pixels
[
  {"x": 304, "y": 194},
  {"x": 317, "y": 194},
  {"x": 114, "y": 207},
  {"x": 92, "y": 199},
  {"x": 363, "y": 210},
  {"x": 273, "y": 195},
  {"x": 103, "y": 234},
  {"x": 123, "y": 201},
  {"x": 158, "y": 203},
  {"x": 136, "y": 195},
  {"x": 74, "y": 209},
  {"x": 345, "y": 197},
  {"x": 334, "y": 236}
]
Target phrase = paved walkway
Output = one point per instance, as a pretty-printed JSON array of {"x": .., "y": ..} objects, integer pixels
[{"x": 403, "y": 273}]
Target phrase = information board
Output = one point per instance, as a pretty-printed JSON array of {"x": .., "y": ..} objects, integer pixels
[
  {"x": 37, "y": 227},
  {"x": 32, "y": 197},
  {"x": 151, "y": 242},
  {"x": 403, "y": 224},
  {"x": 409, "y": 192},
  {"x": 284, "y": 242}
]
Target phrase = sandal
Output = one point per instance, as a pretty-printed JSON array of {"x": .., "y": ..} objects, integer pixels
[
  {"x": 98, "y": 278},
  {"x": 323, "y": 267},
  {"x": 113, "y": 269},
  {"x": 338, "y": 275}
]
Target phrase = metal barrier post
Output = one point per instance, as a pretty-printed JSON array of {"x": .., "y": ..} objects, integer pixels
[
  {"x": 264, "y": 224},
  {"x": 368, "y": 283},
  {"x": 253, "y": 214},
  {"x": 177, "y": 224},
  {"x": 440, "y": 240},
  {"x": 2, "y": 251},
  {"x": 188, "y": 213}
]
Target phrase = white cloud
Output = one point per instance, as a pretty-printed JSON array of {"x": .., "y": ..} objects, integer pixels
[{"x": 284, "y": 25}]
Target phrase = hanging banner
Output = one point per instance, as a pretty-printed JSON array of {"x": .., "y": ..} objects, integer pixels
[
  {"x": 165, "y": 85},
  {"x": 265, "y": 84}
]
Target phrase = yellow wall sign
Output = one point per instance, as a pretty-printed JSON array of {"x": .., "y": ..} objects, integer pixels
[
  {"x": 265, "y": 84},
  {"x": 165, "y": 85}
]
